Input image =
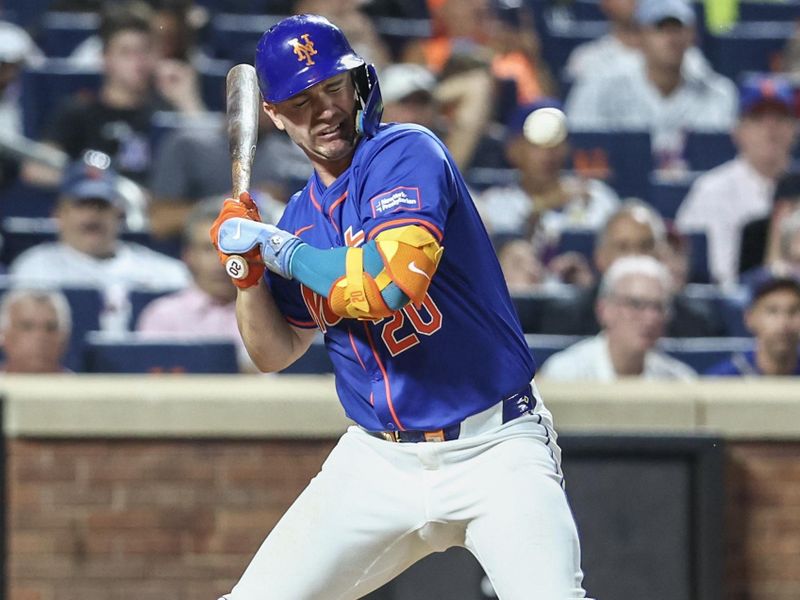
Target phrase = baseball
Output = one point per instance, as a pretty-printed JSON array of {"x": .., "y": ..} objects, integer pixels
[{"x": 545, "y": 127}]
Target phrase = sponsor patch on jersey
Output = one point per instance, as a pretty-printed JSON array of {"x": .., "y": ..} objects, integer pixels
[{"x": 400, "y": 198}]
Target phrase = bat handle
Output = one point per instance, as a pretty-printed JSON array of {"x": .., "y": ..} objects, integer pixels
[{"x": 236, "y": 266}]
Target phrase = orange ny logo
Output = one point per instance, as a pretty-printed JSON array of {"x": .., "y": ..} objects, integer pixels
[{"x": 305, "y": 50}]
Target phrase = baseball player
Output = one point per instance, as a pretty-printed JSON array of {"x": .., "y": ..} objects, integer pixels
[{"x": 384, "y": 252}]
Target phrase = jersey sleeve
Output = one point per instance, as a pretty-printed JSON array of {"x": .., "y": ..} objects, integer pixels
[{"x": 409, "y": 179}]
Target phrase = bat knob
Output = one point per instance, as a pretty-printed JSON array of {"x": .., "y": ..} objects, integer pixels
[{"x": 237, "y": 267}]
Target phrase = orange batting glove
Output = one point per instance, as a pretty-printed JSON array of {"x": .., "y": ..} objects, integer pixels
[{"x": 244, "y": 208}]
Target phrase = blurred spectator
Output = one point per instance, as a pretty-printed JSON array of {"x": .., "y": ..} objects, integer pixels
[
  {"x": 34, "y": 331},
  {"x": 634, "y": 229},
  {"x": 773, "y": 317},
  {"x": 521, "y": 268},
  {"x": 16, "y": 50},
  {"x": 193, "y": 163},
  {"x": 89, "y": 252},
  {"x": 762, "y": 243},
  {"x": 620, "y": 48},
  {"x": 356, "y": 25},
  {"x": 117, "y": 120},
  {"x": 476, "y": 32},
  {"x": 546, "y": 201},
  {"x": 786, "y": 260},
  {"x": 676, "y": 257},
  {"x": 723, "y": 200},
  {"x": 658, "y": 95},
  {"x": 408, "y": 95},
  {"x": 174, "y": 25},
  {"x": 208, "y": 306},
  {"x": 633, "y": 307}
]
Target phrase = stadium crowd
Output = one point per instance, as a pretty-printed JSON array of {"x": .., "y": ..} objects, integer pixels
[{"x": 660, "y": 239}]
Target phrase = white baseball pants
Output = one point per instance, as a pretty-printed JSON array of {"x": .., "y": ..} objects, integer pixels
[{"x": 377, "y": 507}]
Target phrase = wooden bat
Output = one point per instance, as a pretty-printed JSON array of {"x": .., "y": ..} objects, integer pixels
[{"x": 243, "y": 100}]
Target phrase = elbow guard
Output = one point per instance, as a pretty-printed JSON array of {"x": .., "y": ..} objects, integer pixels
[{"x": 395, "y": 267}]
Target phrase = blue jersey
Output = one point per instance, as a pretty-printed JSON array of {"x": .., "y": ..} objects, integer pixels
[
  {"x": 741, "y": 363},
  {"x": 424, "y": 367}
]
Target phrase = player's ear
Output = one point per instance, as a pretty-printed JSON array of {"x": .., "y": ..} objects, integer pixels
[{"x": 273, "y": 116}]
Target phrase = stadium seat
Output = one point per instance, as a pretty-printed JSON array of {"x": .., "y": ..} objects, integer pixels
[
  {"x": 531, "y": 307},
  {"x": 698, "y": 258},
  {"x": 577, "y": 240},
  {"x": 86, "y": 305},
  {"x": 666, "y": 194},
  {"x": 44, "y": 87},
  {"x": 21, "y": 233},
  {"x": 314, "y": 361},
  {"x": 703, "y": 353},
  {"x": 769, "y": 10},
  {"x": 139, "y": 299},
  {"x": 212, "y": 83},
  {"x": 61, "y": 32},
  {"x": 233, "y": 37},
  {"x": 704, "y": 150},
  {"x": 748, "y": 46},
  {"x": 623, "y": 159},
  {"x": 559, "y": 40},
  {"x": 397, "y": 32},
  {"x": 22, "y": 200},
  {"x": 131, "y": 353},
  {"x": 543, "y": 346}
]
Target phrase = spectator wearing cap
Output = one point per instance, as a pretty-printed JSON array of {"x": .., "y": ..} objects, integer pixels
[
  {"x": 620, "y": 48},
  {"x": 773, "y": 317},
  {"x": 633, "y": 307},
  {"x": 661, "y": 94},
  {"x": 723, "y": 200},
  {"x": 35, "y": 327},
  {"x": 89, "y": 251},
  {"x": 407, "y": 90},
  {"x": 546, "y": 200}
]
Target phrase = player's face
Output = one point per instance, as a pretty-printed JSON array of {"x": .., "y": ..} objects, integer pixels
[
  {"x": 129, "y": 60},
  {"x": 635, "y": 314},
  {"x": 208, "y": 273},
  {"x": 90, "y": 226},
  {"x": 775, "y": 321},
  {"x": 626, "y": 235},
  {"x": 321, "y": 121},
  {"x": 32, "y": 341}
]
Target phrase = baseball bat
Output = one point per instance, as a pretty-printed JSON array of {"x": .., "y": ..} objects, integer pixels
[{"x": 243, "y": 99}]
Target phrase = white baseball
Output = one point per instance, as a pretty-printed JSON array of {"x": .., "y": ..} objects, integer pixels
[{"x": 545, "y": 127}]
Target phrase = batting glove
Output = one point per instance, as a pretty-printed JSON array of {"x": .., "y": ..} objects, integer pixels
[
  {"x": 243, "y": 208},
  {"x": 241, "y": 236}
]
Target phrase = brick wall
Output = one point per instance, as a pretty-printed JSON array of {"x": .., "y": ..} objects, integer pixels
[
  {"x": 139, "y": 520},
  {"x": 763, "y": 521},
  {"x": 151, "y": 520}
]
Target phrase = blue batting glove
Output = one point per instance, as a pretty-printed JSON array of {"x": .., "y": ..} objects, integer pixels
[{"x": 239, "y": 236}]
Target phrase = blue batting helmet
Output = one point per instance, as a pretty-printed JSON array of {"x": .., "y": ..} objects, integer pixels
[{"x": 303, "y": 50}]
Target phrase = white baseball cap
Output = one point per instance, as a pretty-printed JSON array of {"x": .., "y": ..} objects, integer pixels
[
  {"x": 403, "y": 79},
  {"x": 15, "y": 44}
]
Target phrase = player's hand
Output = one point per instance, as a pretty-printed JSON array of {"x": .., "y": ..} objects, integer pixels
[
  {"x": 243, "y": 236},
  {"x": 243, "y": 208}
]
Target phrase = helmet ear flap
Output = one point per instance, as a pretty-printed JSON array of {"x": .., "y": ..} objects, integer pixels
[{"x": 369, "y": 94}]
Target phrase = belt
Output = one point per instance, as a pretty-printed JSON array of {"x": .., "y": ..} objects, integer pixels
[{"x": 516, "y": 405}]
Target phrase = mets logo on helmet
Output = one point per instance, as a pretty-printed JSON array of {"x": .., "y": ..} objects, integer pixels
[{"x": 304, "y": 50}]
